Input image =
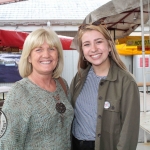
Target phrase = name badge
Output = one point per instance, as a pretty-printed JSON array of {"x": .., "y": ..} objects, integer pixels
[{"x": 106, "y": 105}]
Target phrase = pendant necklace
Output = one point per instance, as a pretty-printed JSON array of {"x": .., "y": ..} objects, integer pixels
[{"x": 60, "y": 107}]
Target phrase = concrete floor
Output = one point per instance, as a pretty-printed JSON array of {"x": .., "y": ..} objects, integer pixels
[{"x": 143, "y": 146}]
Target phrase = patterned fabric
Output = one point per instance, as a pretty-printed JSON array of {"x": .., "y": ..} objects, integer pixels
[
  {"x": 33, "y": 122},
  {"x": 84, "y": 124}
]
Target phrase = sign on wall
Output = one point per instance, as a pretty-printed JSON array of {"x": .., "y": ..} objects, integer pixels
[{"x": 147, "y": 61}]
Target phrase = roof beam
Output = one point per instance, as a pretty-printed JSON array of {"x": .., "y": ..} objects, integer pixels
[{"x": 32, "y": 28}]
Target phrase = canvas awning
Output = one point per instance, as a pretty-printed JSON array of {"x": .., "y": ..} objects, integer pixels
[
  {"x": 121, "y": 17},
  {"x": 124, "y": 49},
  {"x": 9, "y": 38},
  {"x": 132, "y": 45}
]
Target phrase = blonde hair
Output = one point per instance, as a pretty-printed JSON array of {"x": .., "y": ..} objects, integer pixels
[
  {"x": 100, "y": 28},
  {"x": 36, "y": 39}
]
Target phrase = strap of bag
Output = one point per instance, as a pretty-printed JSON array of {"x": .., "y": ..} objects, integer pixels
[{"x": 63, "y": 85}]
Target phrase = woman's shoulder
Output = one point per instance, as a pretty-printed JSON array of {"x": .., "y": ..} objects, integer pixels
[
  {"x": 63, "y": 84},
  {"x": 126, "y": 76},
  {"x": 17, "y": 96},
  {"x": 65, "y": 81},
  {"x": 21, "y": 84},
  {"x": 19, "y": 89}
]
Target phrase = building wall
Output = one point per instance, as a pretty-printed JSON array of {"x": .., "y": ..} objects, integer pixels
[
  {"x": 128, "y": 62},
  {"x": 70, "y": 64}
]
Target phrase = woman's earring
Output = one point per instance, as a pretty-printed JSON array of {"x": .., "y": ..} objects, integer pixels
[
  {"x": 109, "y": 54},
  {"x": 84, "y": 59}
]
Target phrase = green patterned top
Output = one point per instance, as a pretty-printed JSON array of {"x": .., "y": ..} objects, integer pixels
[{"x": 33, "y": 122}]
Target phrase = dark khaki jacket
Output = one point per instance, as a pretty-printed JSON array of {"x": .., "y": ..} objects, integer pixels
[{"x": 118, "y": 126}]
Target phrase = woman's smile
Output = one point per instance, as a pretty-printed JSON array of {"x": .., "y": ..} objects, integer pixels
[{"x": 96, "y": 56}]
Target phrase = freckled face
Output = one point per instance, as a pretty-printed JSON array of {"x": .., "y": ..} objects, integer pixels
[
  {"x": 44, "y": 59},
  {"x": 95, "y": 48}
]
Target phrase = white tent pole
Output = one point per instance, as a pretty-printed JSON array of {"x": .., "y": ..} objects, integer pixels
[{"x": 143, "y": 55}]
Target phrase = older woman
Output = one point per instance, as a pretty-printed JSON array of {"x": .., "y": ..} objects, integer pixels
[{"x": 38, "y": 111}]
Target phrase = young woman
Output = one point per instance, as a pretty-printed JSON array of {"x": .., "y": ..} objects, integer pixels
[{"x": 104, "y": 95}]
